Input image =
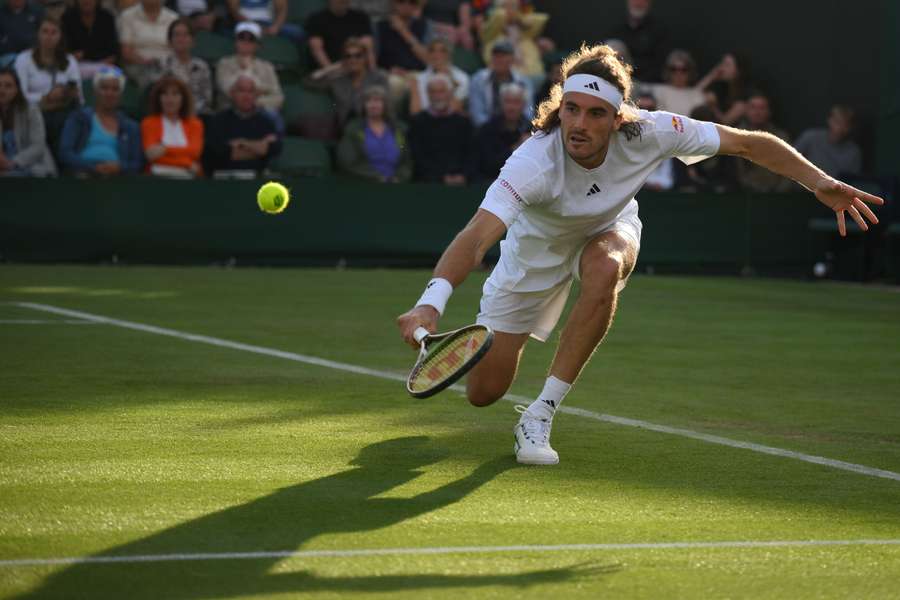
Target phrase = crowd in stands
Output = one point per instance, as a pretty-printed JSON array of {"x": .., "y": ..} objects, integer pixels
[{"x": 425, "y": 90}]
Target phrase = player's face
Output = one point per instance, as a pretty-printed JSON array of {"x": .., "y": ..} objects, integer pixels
[{"x": 587, "y": 122}]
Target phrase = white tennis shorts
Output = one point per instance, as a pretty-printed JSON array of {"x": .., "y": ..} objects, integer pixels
[{"x": 538, "y": 312}]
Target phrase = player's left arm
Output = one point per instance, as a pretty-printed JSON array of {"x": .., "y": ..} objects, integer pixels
[{"x": 779, "y": 157}]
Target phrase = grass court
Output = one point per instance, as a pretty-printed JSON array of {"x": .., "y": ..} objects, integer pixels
[{"x": 185, "y": 468}]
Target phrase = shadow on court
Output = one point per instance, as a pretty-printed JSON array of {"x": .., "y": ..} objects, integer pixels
[{"x": 287, "y": 519}]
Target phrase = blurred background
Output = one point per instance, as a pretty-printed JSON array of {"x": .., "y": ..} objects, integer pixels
[{"x": 139, "y": 131}]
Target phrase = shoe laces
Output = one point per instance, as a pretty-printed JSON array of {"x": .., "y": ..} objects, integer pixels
[{"x": 535, "y": 429}]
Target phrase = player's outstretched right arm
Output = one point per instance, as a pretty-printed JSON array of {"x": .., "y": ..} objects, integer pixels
[{"x": 464, "y": 253}]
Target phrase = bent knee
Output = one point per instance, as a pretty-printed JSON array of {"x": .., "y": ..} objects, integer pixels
[
  {"x": 601, "y": 275},
  {"x": 483, "y": 396}
]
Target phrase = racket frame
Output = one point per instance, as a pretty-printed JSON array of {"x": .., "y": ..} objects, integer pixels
[{"x": 434, "y": 341}]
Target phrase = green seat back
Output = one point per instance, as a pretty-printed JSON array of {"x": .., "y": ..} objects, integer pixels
[
  {"x": 302, "y": 157},
  {"x": 212, "y": 46},
  {"x": 467, "y": 60},
  {"x": 280, "y": 52}
]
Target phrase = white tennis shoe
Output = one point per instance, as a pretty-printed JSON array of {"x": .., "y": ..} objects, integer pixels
[{"x": 533, "y": 440}]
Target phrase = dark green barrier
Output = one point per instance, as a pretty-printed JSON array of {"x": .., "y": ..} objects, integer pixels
[{"x": 161, "y": 221}]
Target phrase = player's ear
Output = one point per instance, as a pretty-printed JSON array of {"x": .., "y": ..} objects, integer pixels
[{"x": 618, "y": 121}]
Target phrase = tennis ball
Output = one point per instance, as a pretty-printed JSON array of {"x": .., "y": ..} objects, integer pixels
[{"x": 273, "y": 198}]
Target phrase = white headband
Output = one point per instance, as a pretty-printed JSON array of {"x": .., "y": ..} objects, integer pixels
[{"x": 594, "y": 86}]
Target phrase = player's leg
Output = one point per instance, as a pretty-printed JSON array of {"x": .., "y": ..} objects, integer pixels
[
  {"x": 492, "y": 376},
  {"x": 605, "y": 263}
]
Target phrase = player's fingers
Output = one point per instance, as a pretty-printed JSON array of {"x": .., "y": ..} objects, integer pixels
[
  {"x": 858, "y": 218},
  {"x": 861, "y": 207},
  {"x": 867, "y": 197},
  {"x": 842, "y": 225}
]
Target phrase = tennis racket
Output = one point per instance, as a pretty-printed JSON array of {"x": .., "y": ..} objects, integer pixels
[{"x": 445, "y": 357}]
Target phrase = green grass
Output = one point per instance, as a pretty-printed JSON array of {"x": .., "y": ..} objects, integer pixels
[{"x": 119, "y": 442}]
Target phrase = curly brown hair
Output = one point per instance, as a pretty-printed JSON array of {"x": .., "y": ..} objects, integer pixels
[
  {"x": 170, "y": 81},
  {"x": 602, "y": 61}
]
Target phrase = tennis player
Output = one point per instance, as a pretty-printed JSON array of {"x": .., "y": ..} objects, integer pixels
[{"x": 565, "y": 202}]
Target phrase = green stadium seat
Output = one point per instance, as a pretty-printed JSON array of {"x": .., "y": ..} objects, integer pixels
[
  {"x": 299, "y": 10},
  {"x": 309, "y": 113},
  {"x": 280, "y": 52},
  {"x": 212, "y": 46},
  {"x": 467, "y": 60},
  {"x": 302, "y": 157}
]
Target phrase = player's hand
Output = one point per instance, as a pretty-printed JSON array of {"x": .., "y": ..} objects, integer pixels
[
  {"x": 840, "y": 197},
  {"x": 421, "y": 316}
]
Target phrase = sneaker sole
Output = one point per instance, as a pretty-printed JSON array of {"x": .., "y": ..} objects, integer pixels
[{"x": 526, "y": 461}]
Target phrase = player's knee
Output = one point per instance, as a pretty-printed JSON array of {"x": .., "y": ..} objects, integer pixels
[
  {"x": 483, "y": 395},
  {"x": 600, "y": 276}
]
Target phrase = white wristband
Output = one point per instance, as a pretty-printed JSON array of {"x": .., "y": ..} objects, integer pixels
[{"x": 436, "y": 294}]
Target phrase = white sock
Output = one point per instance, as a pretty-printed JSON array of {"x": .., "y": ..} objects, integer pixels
[{"x": 551, "y": 397}]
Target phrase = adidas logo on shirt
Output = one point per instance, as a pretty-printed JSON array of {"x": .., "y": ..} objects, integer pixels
[
  {"x": 595, "y": 189},
  {"x": 593, "y": 85}
]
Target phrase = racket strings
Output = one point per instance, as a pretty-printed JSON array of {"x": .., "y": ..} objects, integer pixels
[{"x": 445, "y": 360}]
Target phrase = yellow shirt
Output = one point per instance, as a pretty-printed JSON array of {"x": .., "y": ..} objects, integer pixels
[{"x": 148, "y": 37}]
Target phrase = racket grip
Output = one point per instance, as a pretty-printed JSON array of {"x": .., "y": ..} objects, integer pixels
[{"x": 420, "y": 334}]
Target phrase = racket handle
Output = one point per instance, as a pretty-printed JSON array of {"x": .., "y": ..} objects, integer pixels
[{"x": 420, "y": 334}]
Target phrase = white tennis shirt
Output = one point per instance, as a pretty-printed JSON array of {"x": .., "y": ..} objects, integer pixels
[{"x": 551, "y": 205}]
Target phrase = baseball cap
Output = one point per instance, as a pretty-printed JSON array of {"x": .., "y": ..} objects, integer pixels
[
  {"x": 250, "y": 27},
  {"x": 503, "y": 47}
]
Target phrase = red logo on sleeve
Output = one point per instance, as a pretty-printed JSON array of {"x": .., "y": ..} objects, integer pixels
[
  {"x": 678, "y": 124},
  {"x": 507, "y": 185}
]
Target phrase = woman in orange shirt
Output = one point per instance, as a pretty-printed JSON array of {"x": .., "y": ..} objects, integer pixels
[{"x": 171, "y": 134}]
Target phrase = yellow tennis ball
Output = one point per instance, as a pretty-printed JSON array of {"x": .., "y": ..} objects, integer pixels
[{"x": 273, "y": 197}]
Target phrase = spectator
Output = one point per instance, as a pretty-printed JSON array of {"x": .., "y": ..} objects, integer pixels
[
  {"x": 270, "y": 14},
  {"x": 241, "y": 138},
  {"x": 328, "y": 29},
  {"x": 439, "y": 53},
  {"x": 439, "y": 138},
  {"x": 622, "y": 51},
  {"x": 727, "y": 96},
  {"x": 716, "y": 174},
  {"x": 102, "y": 140},
  {"x": 23, "y": 151},
  {"x": 188, "y": 68},
  {"x": 402, "y": 38},
  {"x": 752, "y": 177},
  {"x": 486, "y": 84},
  {"x": 172, "y": 136},
  {"x": 647, "y": 40},
  {"x": 197, "y": 12},
  {"x": 143, "y": 33},
  {"x": 374, "y": 147},
  {"x": 268, "y": 91},
  {"x": 496, "y": 139},
  {"x": 50, "y": 78},
  {"x": 663, "y": 176},
  {"x": 90, "y": 33},
  {"x": 452, "y": 20},
  {"x": 553, "y": 65},
  {"x": 507, "y": 23},
  {"x": 680, "y": 94},
  {"x": 349, "y": 80},
  {"x": 19, "y": 20},
  {"x": 831, "y": 148},
  {"x": 376, "y": 9}
]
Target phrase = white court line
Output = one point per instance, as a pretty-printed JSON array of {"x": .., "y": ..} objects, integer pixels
[
  {"x": 144, "y": 558},
  {"x": 312, "y": 360},
  {"x": 46, "y": 322}
]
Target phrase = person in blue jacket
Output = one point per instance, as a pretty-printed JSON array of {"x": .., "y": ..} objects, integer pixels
[{"x": 102, "y": 140}]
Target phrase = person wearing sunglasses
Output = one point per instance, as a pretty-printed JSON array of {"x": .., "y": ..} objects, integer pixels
[
  {"x": 680, "y": 93},
  {"x": 270, "y": 96},
  {"x": 348, "y": 79}
]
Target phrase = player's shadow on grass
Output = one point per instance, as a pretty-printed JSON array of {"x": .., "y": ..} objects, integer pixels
[{"x": 284, "y": 521}]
